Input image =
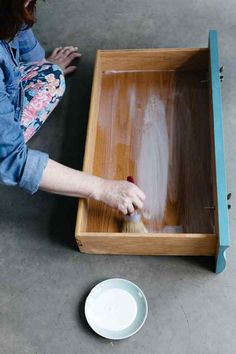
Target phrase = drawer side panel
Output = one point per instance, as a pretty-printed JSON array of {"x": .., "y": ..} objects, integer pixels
[{"x": 221, "y": 189}]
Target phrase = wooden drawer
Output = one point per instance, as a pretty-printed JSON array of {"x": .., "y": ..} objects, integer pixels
[{"x": 156, "y": 114}]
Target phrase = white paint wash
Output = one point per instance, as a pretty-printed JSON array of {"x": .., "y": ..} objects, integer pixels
[{"x": 152, "y": 162}]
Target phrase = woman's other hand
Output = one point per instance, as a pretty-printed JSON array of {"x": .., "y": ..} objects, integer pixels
[{"x": 63, "y": 57}]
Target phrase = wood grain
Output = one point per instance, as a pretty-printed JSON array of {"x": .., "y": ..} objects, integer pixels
[
  {"x": 151, "y": 244},
  {"x": 82, "y": 213},
  {"x": 118, "y": 139},
  {"x": 154, "y": 59},
  {"x": 195, "y": 190},
  {"x": 123, "y": 83}
]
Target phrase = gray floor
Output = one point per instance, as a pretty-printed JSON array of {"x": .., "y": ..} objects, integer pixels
[{"x": 43, "y": 278}]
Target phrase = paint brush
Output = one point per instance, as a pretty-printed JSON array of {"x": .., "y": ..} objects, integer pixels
[{"x": 133, "y": 222}]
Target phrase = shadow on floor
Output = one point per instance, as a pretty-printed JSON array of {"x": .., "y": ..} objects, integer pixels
[{"x": 202, "y": 262}]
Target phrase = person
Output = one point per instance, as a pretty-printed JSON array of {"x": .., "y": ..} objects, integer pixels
[{"x": 30, "y": 88}]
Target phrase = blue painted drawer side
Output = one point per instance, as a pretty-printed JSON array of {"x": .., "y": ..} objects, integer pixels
[{"x": 221, "y": 187}]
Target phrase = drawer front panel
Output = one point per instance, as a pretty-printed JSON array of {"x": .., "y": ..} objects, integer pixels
[{"x": 221, "y": 189}]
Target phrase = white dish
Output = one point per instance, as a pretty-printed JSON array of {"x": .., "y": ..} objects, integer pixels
[{"x": 116, "y": 308}]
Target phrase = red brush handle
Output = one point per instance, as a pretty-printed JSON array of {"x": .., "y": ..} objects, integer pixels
[{"x": 130, "y": 179}]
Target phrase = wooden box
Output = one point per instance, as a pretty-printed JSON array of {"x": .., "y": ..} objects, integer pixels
[{"x": 156, "y": 114}]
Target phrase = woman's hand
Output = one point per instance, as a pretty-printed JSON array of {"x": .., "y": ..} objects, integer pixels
[
  {"x": 122, "y": 195},
  {"x": 63, "y": 57}
]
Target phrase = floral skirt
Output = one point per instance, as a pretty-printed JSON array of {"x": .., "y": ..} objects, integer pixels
[{"x": 43, "y": 85}]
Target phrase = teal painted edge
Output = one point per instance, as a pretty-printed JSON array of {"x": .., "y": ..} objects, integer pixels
[
  {"x": 221, "y": 259},
  {"x": 219, "y": 154}
]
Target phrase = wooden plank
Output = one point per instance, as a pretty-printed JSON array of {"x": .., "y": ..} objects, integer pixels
[
  {"x": 221, "y": 189},
  {"x": 151, "y": 244},
  {"x": 171, "y": 96},
  {"x": 90, "y": 142},
  {"x": 169, "y": 86},
  {"x": 154, "y": 59}
]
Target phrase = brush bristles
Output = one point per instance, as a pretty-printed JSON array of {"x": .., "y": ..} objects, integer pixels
[
  {"x": 134, "y": 227},
  {"x": 134, "y": 224}
]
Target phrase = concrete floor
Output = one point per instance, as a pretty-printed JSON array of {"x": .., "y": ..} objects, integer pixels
[{"x": 43, "y": 278}]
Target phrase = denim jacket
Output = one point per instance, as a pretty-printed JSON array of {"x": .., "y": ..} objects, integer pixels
[{"x": 19, "y": 165}]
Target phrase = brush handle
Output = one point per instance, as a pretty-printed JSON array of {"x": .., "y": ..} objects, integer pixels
[
  {"x": 136, "y": 217},
  {"x": 130, "y": 179}
]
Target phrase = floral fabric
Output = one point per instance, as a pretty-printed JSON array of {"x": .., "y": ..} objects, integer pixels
[{"x": 43, "y": 84}]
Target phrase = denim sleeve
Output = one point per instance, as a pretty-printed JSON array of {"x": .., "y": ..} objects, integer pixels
[
  {"x": 18, "y": 164},
  {"x": 30, "y": 49}
]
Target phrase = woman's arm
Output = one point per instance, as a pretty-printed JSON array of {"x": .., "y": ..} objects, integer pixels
[
  {"x": 29, "y": 47},
  {"x": 32, "y": 51},
  {"x": 19, "y": 165},
  {"x": 63, "y": 180}
]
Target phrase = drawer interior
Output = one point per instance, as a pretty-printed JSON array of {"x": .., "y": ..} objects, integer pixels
[{"x": 150, "y": 118}]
